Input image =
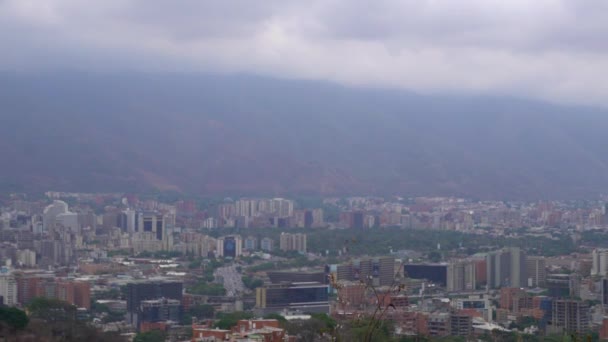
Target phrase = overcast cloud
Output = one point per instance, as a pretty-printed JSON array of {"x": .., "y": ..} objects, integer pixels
[{"x": 547, "y": 49}]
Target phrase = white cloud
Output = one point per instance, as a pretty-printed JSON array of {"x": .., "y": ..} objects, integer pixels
[{"x": 548, "y": 49}]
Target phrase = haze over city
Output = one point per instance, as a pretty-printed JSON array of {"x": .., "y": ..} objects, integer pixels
[{"x": 303, "y": 171}]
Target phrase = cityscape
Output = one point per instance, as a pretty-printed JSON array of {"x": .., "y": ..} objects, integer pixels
[
  {"x": 303, "y": 171},
  {"x": 132, "y": 265}
]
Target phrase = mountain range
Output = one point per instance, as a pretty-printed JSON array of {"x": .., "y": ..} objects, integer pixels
[{"x": 211, "y": 134}]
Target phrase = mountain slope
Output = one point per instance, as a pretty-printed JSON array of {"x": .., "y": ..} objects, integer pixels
[{"x": 212, "y": 134}]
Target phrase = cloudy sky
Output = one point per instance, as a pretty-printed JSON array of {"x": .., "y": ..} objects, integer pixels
[{"x": 555, "y": 50}]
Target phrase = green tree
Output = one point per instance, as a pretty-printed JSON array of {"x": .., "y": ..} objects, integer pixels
[
  {"x": 276, "y": 316},
  {"x": 252, "y": 282},
  {"x": 202, "y": 311},
  {"x": 51, "y": 309},
  {"x": 228, "y": 320},
  {"x": 14, "y": 318},
  {"x": 151, "y": 336},
  {"x": 208, "y": 289}
]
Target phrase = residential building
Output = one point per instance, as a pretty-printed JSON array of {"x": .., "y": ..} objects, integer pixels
[
  {"x": 293, "y": 242},
  {"x": 266, "y": 244},
  {"x": 8, "y": 287},
  {"x": 569, "y": 316}
]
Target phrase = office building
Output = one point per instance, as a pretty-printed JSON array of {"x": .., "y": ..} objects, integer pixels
[
  {"x": 383, "y": 268},
  {"x": 152, "y": 222},
  {"x": 536, "y": 271},
  {"x": 604, "y": 291},
  {"x": 138, "y": 292},
  {"x": 305, "y": 297},
  {"x": 563, "y": 285},
  {"x": 229, "y": 246},
  {"x": 506, "y": 268},
  {"x": 160, "y": 310},
  {"x": 67, "y": 222},
  {"x": 379, "y": 271},
  {"x": 126, "y": 220},
  {"x": 599, "y": 262},
  {"x": 436, "y": 273},
  {"x": 277, "y": 277},
  {"x": 461, "y": 276}
]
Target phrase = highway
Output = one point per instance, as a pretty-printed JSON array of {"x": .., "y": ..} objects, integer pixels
[{"x": 233, "y": 282}]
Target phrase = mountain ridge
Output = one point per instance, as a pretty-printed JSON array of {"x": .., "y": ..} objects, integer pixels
[{"x": 241, "y": 134}]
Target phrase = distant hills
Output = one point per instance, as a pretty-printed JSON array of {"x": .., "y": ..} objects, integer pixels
[{"x": 248, "y": 135}]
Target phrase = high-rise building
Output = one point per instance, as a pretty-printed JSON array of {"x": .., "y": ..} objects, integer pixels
[
  {"x": 461, "y": 276},
  {"x": 125, "y": 220},
  {"x": 317, "y": 217},
  {"x": 50, "y": 213},
  {"x": 246, "y": 207},
  {"x": 8, "y": 287},
  {"x": 358, "y": 222},
  {"x": 604, "y": 291},
  {"x": 569, "y": 316},
  {"x": 293, "y": 242},
  {"x": 308, "y": 219},
  {"x": 599, "y": 259},
  {"x": 26, "y": 257},
  {"x": 562, "y": 285},
  {"x": 536, "y": 271},
  {"x": 506, "y": 267},
  {"x": 281, "y": 207},
  {"x": 229, "y": 246},
  {"x": 383, "y": 269},
  {"x": 152, "y": 222},
  {"x": 250, "y": 243},
  {"x": 266, "y": 244},
  {"x": 67, "y": 222}
]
